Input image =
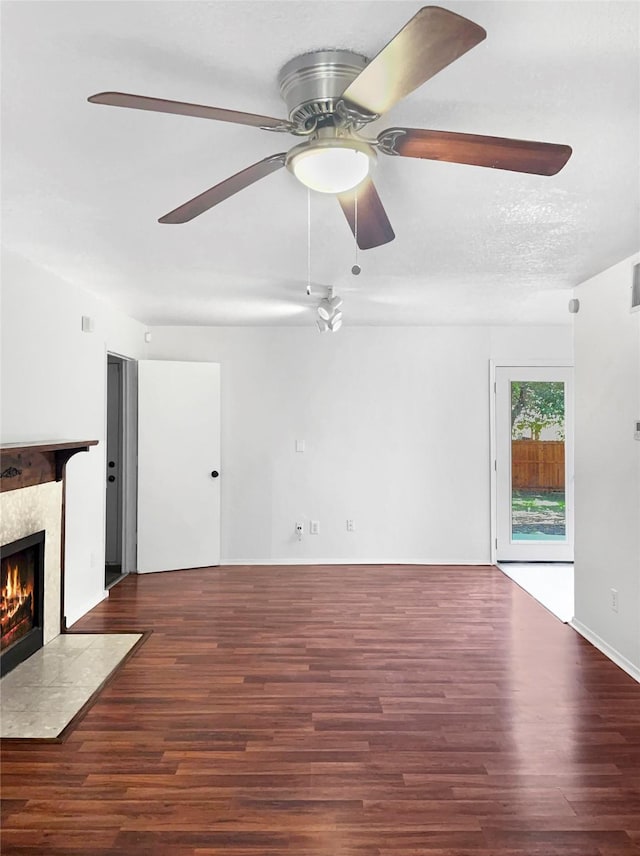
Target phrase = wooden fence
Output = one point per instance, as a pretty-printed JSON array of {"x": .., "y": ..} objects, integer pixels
[{"x": 537, "y": 464}]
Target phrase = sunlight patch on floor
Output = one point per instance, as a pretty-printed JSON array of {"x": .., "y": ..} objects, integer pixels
[{"x": 550, "y": 584}]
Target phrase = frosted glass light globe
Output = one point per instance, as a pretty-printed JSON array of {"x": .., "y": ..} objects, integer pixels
[
  {"x": 331, "y": 170},
  {"x": 331, "y": 165}
]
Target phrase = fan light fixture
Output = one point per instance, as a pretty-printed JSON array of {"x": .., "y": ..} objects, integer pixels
[
  {"x": 331, "y": 165},
  {"x": 330, "y": 316},
  {"x": 328, "y": 307},
  {"x": 334, "y": 324}
]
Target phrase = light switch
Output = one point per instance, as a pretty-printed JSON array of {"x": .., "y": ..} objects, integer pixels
[{"x": 299, "y": 445}]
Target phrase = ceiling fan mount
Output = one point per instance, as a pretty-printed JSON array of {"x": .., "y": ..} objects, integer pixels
[
  {"x": 331, "y": 95},
  {"x": 312, "y": 85}
]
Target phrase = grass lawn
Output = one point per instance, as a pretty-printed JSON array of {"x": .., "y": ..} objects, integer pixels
[{"x": 538, "y": 515}]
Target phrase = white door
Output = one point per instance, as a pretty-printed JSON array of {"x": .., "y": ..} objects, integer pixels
[
  {"x": 178, "y": 465},
  {"x": 534, "y": 463}
]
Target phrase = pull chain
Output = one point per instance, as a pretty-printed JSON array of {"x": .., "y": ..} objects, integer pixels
[
  {"x": 308, "y": 241},
  {"x": 355, "y": 270}
]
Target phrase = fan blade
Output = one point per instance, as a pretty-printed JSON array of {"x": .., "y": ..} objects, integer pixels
[
  {"x": 373, "y": 227},
  {"x": 431, "y": 40},
  {"x": 182, "y": 108},
  {"x": 220, "y": 192},
  {"x": 495, "y": 152}
]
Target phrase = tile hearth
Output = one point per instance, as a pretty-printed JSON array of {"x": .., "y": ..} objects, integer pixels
[{"x": 42, "y": 695}]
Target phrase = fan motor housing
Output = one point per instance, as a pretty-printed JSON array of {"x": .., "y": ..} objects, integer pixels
[{"x": 312, "y": 83}]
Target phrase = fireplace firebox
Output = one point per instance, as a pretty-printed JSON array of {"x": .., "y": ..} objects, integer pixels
[{"x": 22, "y": 603}]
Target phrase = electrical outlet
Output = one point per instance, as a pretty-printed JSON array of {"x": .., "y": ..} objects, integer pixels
[
  {"x": 299, "y": 529},
  {"x": 351, "y": 526},
  {"x": 614, "y": 599},
  {"x": 314, "y": 527}
]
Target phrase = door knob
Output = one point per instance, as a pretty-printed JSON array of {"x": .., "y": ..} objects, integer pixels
[
  {"x": 112, "y": 478},
  {"x": 214, "y": 474}
]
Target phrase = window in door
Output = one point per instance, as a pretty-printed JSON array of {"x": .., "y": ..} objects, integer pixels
[
  {"x": 534, "y": 459},
  {"x": 538, "y": 499}
]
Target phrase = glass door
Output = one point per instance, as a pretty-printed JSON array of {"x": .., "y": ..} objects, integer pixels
[{"x": 534, "y": 464}]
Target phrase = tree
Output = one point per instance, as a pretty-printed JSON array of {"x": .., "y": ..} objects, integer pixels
[{"x": 536, "y": 405}]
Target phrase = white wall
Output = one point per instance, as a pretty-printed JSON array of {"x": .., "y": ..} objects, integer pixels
[
  {"x": 395, "y": 420},
  {"x": 396, "y": 427},
  {"x": 53, "y": 386},
  {"x": 607, "y": 497}
]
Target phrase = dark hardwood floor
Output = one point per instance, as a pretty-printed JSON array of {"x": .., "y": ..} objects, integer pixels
[{"x": 331, "y": 711}]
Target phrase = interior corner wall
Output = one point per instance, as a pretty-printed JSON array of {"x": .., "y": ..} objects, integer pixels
[
  {"x": 395, "y": 423},
  {"x": 607, "y": 464},
  {"x": 53, "y": 386}
]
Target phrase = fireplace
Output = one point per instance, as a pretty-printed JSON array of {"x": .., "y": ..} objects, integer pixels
[{"x": 22, "y": 599}]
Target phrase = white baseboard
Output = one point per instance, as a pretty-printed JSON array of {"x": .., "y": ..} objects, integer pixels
[
  {"x": 351, "y": 561},
  {"x": 620, "y": 660}
]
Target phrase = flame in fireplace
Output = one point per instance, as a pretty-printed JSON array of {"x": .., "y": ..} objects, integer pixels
[
  {"x": 15, "y": 592},
  {"x": 16, "y": 605},
  {"x": 20, "y": 582}
]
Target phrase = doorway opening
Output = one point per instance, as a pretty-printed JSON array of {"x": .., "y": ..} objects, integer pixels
[
  {"x": 532, "y": 481},
  {"x": 121, "y": 469}
]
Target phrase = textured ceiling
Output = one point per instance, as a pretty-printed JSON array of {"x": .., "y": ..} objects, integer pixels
[{"x": 83, "y": 185}]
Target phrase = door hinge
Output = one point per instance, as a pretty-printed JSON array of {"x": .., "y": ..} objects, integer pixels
[
  {"x": 495, "y": 387},
  {"x": 495, "y": 464}
]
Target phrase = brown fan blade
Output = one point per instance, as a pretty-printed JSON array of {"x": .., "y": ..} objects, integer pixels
[
  {"x": 431, "y": 40},
  {"x": 373, "y": 227},
  {"x": 224, "y": 190},
  {"x": 182, "y": 108},
  {"x": 495, "y": 152}
]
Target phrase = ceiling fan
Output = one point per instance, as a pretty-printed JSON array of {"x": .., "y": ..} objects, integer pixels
[{"x": 331, "y": 96}]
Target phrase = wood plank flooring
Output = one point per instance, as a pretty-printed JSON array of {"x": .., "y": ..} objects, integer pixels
[{"x": 338, "y": 711}]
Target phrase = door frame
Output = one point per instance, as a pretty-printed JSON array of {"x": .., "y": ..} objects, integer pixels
[
  {"x": 129, "y": 447},
  {"x": 114, "y": 540},
  {"x": 493, "y": 365}
]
